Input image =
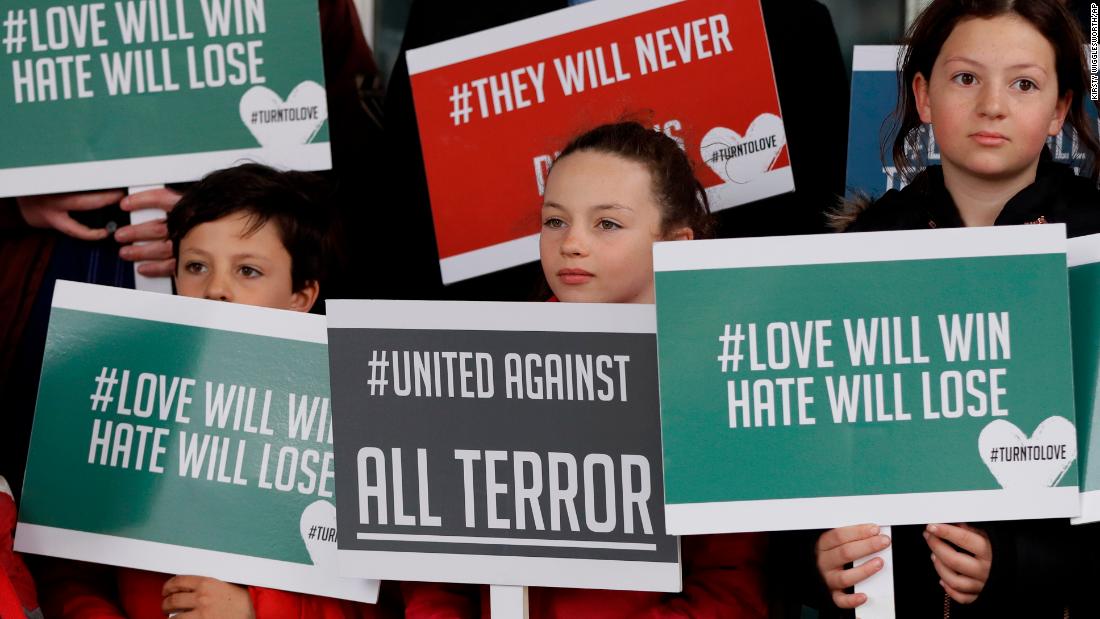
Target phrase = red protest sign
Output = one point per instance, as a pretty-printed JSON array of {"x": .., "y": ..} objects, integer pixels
[{"x": 494, "y": 107}]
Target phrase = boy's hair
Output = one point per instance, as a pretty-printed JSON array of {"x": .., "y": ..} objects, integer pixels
[
  {"x": 930, "y": 30},
  {"x": 294, "y": 201},
  {"x": 682, "y": 197}
]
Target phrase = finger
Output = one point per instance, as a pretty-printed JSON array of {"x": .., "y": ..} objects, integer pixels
[
  {"x": 84, "y": 201},
  {"x": 848, "y": 600},
  {"x": 64, "y": 224},
  {"x": 177, "y": 602},
  {"x": 149, "y": 231},
  {"x": 972, "y": 541},
  {"x": 176, "y": 584},
  {"x": 955, "y": 580},
  {"x": 842, "y": 579},
  {"x": 158, "y": 268},
  {"x": 852, "y": 551},
  {"x": 163, "y": 199},
  {"x": 838, "y": 537},
  {"x": 958, "y": 596},
  {"x": 957, "y": 561},
  {"x": 981, "y": 534},
  {"x": 152, "y": 250}
]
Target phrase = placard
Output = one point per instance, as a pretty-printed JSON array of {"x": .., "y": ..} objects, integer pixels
[
  {"x": 494, "y": 108},
  {"x": 185, "y": 436},
  {"x": 499, "y": 443},
  {"x": 887, "y": 377},
  {"x": 98, "y": 95}
]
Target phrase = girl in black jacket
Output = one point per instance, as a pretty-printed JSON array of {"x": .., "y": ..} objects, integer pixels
[{"x": 994, "y": 78}]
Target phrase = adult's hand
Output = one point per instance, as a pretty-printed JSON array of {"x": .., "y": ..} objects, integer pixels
[
  {"x": 53, "y": 211},
  {"x": 154, "y": 253}
]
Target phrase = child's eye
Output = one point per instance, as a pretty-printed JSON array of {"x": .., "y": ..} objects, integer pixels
[
  {"x": 1025, "y": 85},
  {"x": 249, "y": 272},
  {"x": 195, "y": 268},
  {"x": 607, "y": 224},
  {"x": 964, "y": 79},
  {"x": 553, "y": 223}
]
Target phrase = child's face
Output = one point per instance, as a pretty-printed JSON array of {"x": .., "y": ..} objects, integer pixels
[
  {"x": 218, "y": 260},
  {"x": 599, "y": 221},
  {"x": 992, "y": 98}
]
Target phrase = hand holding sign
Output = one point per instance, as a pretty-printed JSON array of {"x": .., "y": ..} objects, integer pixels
[
  {"x": 148, "y": 242},
  {"x": 54, "y": 211},
  {"x": 144, "y": 242},
  {"x": 199, "y": 596},
  {"x": 962, "y": 574},
  {"x": 838, "y": 547}
]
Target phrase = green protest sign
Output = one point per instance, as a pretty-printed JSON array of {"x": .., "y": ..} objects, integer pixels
[
  {"x": 185, "y": 436},
  {"x": 897, "y": 378},
  {"x": 136, "y": 92},
  {"x": 1084, "y": 294}
]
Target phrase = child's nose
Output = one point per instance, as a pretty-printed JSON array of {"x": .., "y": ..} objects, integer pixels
[
  {"x": 218, "y": 288},
  {"x": 574, "y": 243},
  {"x": 990, "y": 101}
]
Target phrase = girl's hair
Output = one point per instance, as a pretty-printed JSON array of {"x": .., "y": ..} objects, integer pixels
[
  {"x": 682, "y": 197},
  {"x": 928, "y": 33}
]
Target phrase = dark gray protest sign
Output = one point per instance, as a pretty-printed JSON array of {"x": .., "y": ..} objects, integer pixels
[{"x": 499, "y": 443}]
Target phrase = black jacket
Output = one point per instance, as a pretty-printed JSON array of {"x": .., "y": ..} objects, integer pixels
[
  {"x": 1056, "y": 196},
  {"x": 1036, "y": 573},
  {"x": 1040, "y": 567}
]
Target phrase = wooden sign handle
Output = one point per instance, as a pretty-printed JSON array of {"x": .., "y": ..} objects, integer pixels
[
  {"x": 148, "y": 284},
  {"x": 879, "y": 588},
  {"x": 507, "y": 602}
]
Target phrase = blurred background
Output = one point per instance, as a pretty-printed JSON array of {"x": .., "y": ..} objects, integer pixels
[{"x": 857, "y": 22}]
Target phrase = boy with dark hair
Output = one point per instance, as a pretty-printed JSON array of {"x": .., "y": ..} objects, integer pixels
[{"x": 253, "y": 235}]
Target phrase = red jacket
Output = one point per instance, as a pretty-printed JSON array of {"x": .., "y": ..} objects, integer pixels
[
  {"x": 73, "y": 590},
  {"x": 17, "y": 595},
  {"x": 722, "y": 580}
]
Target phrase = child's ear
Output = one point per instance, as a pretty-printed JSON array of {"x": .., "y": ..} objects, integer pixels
[
  {"x": 303, "y": 300},
  {"x": 920, "y": 97},
  {"x": 680, "y": 234},
  {"x": 1060, "y": 111}
]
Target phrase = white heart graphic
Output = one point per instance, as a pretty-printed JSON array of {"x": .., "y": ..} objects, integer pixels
[
  {"x": 274, "y": 122},
  {"x": 318, "y": 527},
  {"x": 743, "y": 159},
  {"x": 1017, "y": 461}
]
